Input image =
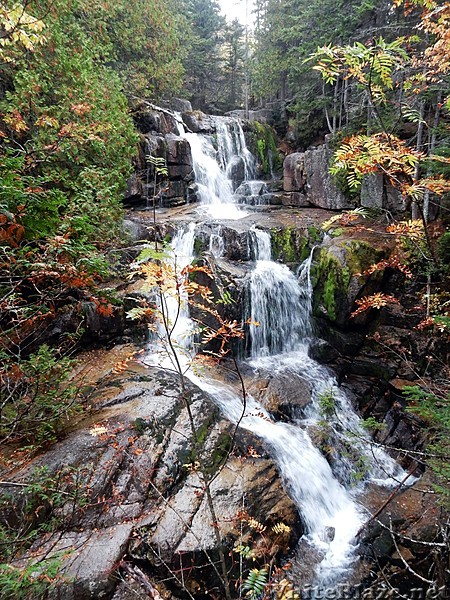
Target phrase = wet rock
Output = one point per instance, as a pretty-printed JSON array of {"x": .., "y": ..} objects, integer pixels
[
  {"x": 297, "y": 199},
  {"x": 152, "y": 120},
  {"x": 138, "y": 479},
  {"x": 198, "y": 122},
  {"x": 178, "y": 151},
  {"x": 284, "y": 394},
  {"x": 236, "y": 171},
  {"x": 234, "y": 244},
  {"x": 135, "y": 230},
  {"x": 134, "y": 191},
  {"x": 294, "y": 178},
  {"x": 410, "y": 521},
  {"x": 180, "y": 105},
  {"x": 322, "y": 351}
]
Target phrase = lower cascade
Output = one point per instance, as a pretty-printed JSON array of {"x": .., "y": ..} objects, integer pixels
[{"x": 280, "y": 333}]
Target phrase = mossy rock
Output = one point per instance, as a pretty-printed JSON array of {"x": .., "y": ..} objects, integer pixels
[
  {"x": 338, "y": 279},
  {"x": 289, "y": 245},
  {"x": 264, "y": 145}
]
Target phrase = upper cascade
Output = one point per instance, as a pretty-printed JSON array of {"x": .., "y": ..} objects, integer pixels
[{"x": 221, "y": 166}]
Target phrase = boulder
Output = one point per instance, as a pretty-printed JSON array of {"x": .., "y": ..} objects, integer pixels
[
  {"x": 180, "y": 105},
  {"x": 320, "y": 186},
  {"x": 285, "y": 394},
  {"x": 307, "y": 173},
  {"x": 178, "y": 151},
  {"x": 378, "y": 193},
  {"x": 198, "y": 122},
  {"x": 294, "y": 179},
  {"x": 139, "y": 488}
]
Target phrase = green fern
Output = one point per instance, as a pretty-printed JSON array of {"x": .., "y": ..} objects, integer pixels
[{"x": 255, "y": 583}]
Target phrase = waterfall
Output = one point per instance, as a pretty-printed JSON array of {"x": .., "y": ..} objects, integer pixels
[
  {"x": 174, "y": 320},
  {"x": 216, "y": 242},
  {"x": 280, "y": 302},
  {"x": 232, "y": 148},
  {"x": 219, "y": 171}
]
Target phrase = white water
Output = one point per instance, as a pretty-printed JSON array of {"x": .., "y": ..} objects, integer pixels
[
  {"x": 281, "y": 304},
  {"x": 174, "y": 310},
  {"x": 216, "y": 242},
  {"x": 212, "y": 168},
  {"x": 232, "y": 148}
]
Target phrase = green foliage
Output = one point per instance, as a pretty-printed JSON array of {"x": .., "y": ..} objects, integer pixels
[
  {"x": 159, "y": 165},
  {"x": 444, "y": 250},
  {"x": 286, "y": 34},
  {"x": 434, "y": 408},
  {"x": 255, "y": 583},
  {"x": 327, "y": 403},
  {"x": 30, "y": 510},
  {"x": 34, "y": 581},
  {"x": 36, "y": 396},
  {"x": 372, "y": 425},
  {"x": 202, "y": 41}
]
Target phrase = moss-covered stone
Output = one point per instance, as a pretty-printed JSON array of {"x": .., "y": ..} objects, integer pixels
[
  {"x": 289, "y": 245},
  {"x": 220, "y": 452},
  {"x": 337, "y": 277},
  {"x": 314, "y": 234},
  {"x": 264, "y": 145}
]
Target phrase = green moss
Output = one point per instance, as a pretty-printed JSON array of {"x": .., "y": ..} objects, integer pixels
[
  {"x": 220, "y": 453},
  {"x": 331, "y": 279},
  {"x": 289, "y": 245},
  {"x": 329, "y": 291},
  {"x": 360, "y": 255},
  {"x": 330, "y": 282},
  {"x": 198, "y": 246},
  {"x": 337, "y": 232},
  {"x": 346, "y": 277},
  {"x": 265, "y": 147},
  {"x": 314, "y": 234}
]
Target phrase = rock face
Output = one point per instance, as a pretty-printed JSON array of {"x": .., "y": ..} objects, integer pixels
[
  {"x": 377, "y": 193},
  {"x": 160, "y": 139},
  {"x": 140, "y": 491},
  {"x": 307, "y": 182},
  {"x": 283, "y": 394}
]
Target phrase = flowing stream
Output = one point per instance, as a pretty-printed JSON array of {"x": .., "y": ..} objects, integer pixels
[{"x": 280, "y": 301}]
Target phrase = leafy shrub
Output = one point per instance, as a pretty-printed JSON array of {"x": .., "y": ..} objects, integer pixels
[{"x": 36, "y": 396}]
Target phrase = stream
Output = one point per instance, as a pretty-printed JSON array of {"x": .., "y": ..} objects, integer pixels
[{"x": 325, "y": 490}]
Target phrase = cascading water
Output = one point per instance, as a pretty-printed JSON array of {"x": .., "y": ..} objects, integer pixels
[
  {"x": 174, "y": 309},
  {"x": 280, "y": 302},
  {"x": 216, "y": 242},
  {"x": 214, "y": 169},
  {"x": 232, "y": 149},
  {"x": 273, "y": 291}
]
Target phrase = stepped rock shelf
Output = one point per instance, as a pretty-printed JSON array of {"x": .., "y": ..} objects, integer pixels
[{"x": 143, "y": 522}]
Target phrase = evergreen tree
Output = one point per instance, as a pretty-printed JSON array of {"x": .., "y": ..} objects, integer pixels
[
  {"x": 203, "y": 52},
  {"x": 289, "y": 31},
  {"x": 234, "y": 58}
]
